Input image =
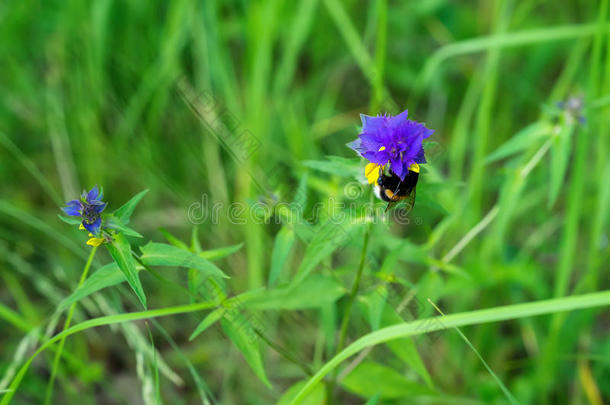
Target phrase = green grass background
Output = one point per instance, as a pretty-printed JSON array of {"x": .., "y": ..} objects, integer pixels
[{"x": 91, "y": 94}]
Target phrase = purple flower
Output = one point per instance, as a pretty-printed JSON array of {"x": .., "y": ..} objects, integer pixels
[
  {"x": 395, "y": 140},
  {"x": 89, "y": 208}
]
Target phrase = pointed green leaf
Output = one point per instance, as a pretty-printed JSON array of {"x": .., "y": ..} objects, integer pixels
[
  {"x": 329, "y": 323},
  {"x": 120, "y": 250},
  {"x": 238, "y": 329},
  {"x": 281, "y": 250},
  {"x": 124, "y": 212},
  {"x": 208, "y": 321},
  {"x": 560, "y": 153},
  {"x": 328, "y": 237},
  {"x": 406, "y": 350},
  {"x": 300, "y": 195},
  {"x": 375, "y": 302},
  {"x": 521, "y": 140},
  {"x": 315, "y": 291},
  {"x": 161, "y": 254},
  {"x": 369, "y": 378},
  {"x": 317, "y": 395},
  {"x": 105, "y": 276},
  {"x": 337, "y": 166},
  {"x": 115, "y": 223},
  {"x": 219, "y": 253},
  {"x": 68, "y": 220},
  {"x": 373, "y": 401},
  {"x": 173, "y": 240}
]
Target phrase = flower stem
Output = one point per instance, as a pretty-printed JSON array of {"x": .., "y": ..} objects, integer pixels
[
  {"x": 354, "y": 292},
  {"x": 60, "y": 346},
  {"x": 348, "y": 309}
]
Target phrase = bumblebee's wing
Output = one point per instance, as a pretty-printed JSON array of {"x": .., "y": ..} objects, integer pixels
[{"x": 395, "y": 199}]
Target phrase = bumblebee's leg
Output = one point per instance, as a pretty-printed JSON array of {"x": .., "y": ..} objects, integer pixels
[
  {"x": 390, "y": 205},
  {"x": 410, "y": 200}
]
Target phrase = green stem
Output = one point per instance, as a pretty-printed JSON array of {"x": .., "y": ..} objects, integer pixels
[
  {"x": 60, "y": 347},
  {"x": 354, "y": 292},
  {"x": 348, "y": 308}
]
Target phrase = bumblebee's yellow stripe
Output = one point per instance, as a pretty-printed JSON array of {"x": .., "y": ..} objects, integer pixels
[
  {"x": 371, "y": 171},
  {"x": 414, "y": 168}
]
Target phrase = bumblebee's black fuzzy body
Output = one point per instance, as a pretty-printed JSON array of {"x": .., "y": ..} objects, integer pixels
[{"x": 392, "y": 189}]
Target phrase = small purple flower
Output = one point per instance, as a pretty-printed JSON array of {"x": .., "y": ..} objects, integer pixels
[
  {"x": 395, "y": 140},
  {"x": 89, "y": 208}
]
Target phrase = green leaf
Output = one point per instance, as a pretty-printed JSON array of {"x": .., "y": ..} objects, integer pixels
[
  {"x": 405, "y": 348},
  {"x": 329, "y": 324},
  {"x": 281, "y": 250},
  {"x": 173, "y": 240},
  {"x": 161, "y": 254},
  {"x": 373, "y": 401},
  {"x": 68, "y": 220},
  {"x": 328, "y": 237},
  {"x": 219, "y": 253},
  {"x": 405, "y": 251},
  {"x": 105, "y": 276},
  {"x": 315, "y": 291},
  {"x": 338, "y": 166},
  {"x": 375, "y": 302},
  {"x": 208, "y": 321},
  {"x": 317, "y": 395},
  {"x": 300, "y": 195},
  {"x": 524, "y": 138},
  {"x": 120, "y": 250},
  {"x": 124, "y": 212},
  {"x": 560, "y": 153},
  {"x": 114, "y": 222},
  {"x": 482, "y": 316},
  {"x": 245, "y": 339},
  {"x": 92, "y": 323},
  {"x": 369, "y": 379}
]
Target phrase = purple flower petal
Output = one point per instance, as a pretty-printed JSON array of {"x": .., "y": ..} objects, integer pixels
[
  {"x": 372, "y": 123},
  {"x": 93, "y": 194},
  {"x": 99, "y": 207},
  {"x": 72, "y": 211},
  {"x": 397, "y": 166},
  {"x": 420, "y": 158},
  {"x": 73, "y": 208},
  {"x": 398, "y": 120},
  {"x": 399, "y": 138},
  {"x": 355, "y": 144},
  {"x": 94, "y": 228}
]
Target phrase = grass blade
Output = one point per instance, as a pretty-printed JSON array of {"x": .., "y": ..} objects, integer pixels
[
  {"x": 455, "y": 320},
  {"x": 120, "y": 250}
]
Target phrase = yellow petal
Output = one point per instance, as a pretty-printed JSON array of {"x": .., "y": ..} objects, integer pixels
[
  {"x": 81, "y": 227},
  {"x": 371, "y": 171},
  {"x": 414, "y": 168},
  {"x": 95, "y": 241}
]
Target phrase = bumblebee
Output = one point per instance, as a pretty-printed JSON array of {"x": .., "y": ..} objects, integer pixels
[{"x": 390, "y": 188}]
